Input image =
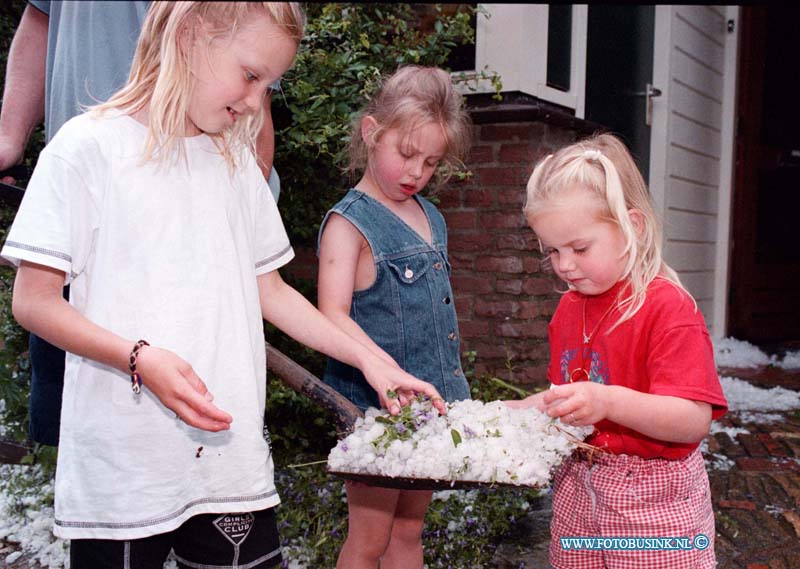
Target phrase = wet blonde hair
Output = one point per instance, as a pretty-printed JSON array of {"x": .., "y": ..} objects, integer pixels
[
  {"x": 602, "y": 165},
  {"x": 160, "y": 74},
  {"x": 412, "y": 97}
]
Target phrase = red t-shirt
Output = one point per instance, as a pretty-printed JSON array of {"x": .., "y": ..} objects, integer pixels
[{"x": 665, "y": 349}]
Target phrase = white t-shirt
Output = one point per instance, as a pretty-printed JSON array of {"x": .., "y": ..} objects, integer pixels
[{"x": 168, "y": 254}]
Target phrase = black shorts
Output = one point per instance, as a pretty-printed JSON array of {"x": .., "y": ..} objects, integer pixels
[{"x": 245, "y": 541}]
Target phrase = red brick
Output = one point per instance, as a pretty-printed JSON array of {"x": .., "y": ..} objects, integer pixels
[
  {"x": 499, "y": 264},
  {"x": 450, "y": 199},
  {"x": 529, "y": 310},
  {"x": 505, "y": 220},
  {"x": 532, "y": 376},
  {"x": 752, "y": 445},
  {"x": 510, "y": 153},
  {"x": 555, "y": 137},
  {"x": 462, "y": 261},
  {"x": 773, "y": 447},
  {"x": 478, "y": 198},
  {"x": 502, "y": 176},
  {"x": 532, "y": 264},
  {"x": 469, "y": 242},
  {"x": 470, "y": 284},
  {"x": 473, "y": 328},
  {"x": 522, "y": 329},
  {"x": 512, "y": 196},
  {"x": 738, "y": 504},
  {"x": 509, "y": 286},
  {"x": 523, "y": 131},
  {"x": 481, "y": 369},
  {"x": 481, "y": 154},
  {"x": 518, "y": 241},
  {"x": 765, "y": 464},
  {"x": 534, "y": 286},
  {"x": 461, "y": 219},
  {"x": 549, "y": 306},
  {"x": 756, "y": 566},
  {"x": 493, "y": 309},
  {"x": 538, "y": 352},
  {"x": 489, "y": 351}
]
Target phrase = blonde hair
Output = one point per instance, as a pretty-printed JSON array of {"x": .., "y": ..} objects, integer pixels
[
  {"x": 602, "y": 165},
  {"x": 414, "y": 96},
  {"x": 160, "y": 76}
]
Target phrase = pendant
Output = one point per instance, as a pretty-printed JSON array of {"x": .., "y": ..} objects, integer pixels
[
  {"x": 578, "y": 374},
  {"x": 586, "y": 338}
]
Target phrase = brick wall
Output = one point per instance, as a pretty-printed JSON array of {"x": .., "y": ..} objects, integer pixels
[{"x": 503, "y": 297}]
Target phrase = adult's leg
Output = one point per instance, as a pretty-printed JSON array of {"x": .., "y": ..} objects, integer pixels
[{"x": 47, "y": 385}]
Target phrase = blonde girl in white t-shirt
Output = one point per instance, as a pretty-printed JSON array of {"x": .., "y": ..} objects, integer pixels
[{"x": 153, "y": 208}]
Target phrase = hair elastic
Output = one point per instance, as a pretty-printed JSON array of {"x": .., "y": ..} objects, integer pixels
[{"x": 592, "y": 154}]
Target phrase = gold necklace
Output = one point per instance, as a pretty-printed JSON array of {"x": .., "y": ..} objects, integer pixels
[{"x": 588, "y": 337}]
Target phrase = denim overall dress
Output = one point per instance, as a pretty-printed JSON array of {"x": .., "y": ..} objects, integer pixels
[{"x": 409, "y": 310}]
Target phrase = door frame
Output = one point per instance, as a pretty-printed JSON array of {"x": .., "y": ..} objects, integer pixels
[{"x": 660, "y": 147}]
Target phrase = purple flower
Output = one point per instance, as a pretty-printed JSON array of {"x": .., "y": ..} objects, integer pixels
[
  {"x": 345, "y": 448},
  {"x": 401, "y": 428},
  {"x": 469, "y": 432}
]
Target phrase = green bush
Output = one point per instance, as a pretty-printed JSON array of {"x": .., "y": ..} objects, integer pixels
[{"x": 462, "y": 528}]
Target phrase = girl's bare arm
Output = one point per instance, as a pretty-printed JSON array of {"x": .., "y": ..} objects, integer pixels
[
  {"x": 339, "y": 252},
  {"x": 287, "y": 309},
  {"x": 661, "y": 417},
  {"x": 38, "y": 306}
]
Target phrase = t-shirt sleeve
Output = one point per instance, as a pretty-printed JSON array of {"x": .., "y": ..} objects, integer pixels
[
  {"x": 57, "y": 220},
  {"x": 681, "y": 360},
  {"x": 272, "y": 247}
]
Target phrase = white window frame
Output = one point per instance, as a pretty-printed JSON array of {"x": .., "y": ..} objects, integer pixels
[{"x": 501, "y": 47}]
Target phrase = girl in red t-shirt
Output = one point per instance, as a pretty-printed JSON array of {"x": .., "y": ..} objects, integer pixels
[{"x": 631, "y": 355}]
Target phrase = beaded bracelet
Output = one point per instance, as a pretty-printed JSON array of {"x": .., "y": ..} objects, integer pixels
[{"x": 136, "y": 379}]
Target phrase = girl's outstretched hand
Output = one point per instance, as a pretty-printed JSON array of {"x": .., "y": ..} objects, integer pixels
[
  {"x": 179, "y": 388},
  {"x": 581, "y": 403},
  {"x": 396, "y": 388},
  {"x": 536, "y": 400}
]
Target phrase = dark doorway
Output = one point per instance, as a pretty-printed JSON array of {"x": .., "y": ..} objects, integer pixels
[
  {"x": 619, "y": 68},
  {"x": 764, "y": 304}
]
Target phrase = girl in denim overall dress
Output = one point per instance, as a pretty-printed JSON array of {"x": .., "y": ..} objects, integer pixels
[{"x": 384, "y": 279}]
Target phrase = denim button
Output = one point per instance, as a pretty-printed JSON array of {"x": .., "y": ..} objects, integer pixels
[
  {"x": 446, "y": 300},
  {"x": 451, "y": 336},
  {"x": 409, "y": 273},
  {"x": 456, "y": 372},
  {"x": 437, "y": 266}
]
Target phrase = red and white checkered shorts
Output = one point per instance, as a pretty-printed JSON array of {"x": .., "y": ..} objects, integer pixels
[{"x": 631, "y": 497}]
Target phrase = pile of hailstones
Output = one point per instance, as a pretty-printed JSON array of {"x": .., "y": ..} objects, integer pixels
[{"x": 474, "y": 442}]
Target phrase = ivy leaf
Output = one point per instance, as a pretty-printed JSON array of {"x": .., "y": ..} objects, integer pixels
[{"x": 456, "y": 437}]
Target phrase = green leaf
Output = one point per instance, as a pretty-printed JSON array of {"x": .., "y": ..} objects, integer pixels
[{"x": 456, "y": 437}]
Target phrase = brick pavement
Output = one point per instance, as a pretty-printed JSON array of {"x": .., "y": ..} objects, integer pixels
[{"x": 756, "y": 498}]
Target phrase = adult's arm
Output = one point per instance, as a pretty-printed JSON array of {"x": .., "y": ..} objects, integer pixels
[
  {"x": 23, "y": 95},
  {"x": 265, "y": 143}
]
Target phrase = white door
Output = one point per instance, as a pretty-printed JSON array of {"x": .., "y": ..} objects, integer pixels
[{"x": 691, "y": 147}]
